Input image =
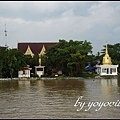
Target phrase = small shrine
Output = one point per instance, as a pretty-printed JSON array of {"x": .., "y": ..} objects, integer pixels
[
  {"x": 36, "y": 49},
  {"x": 106, "y": 68},
  {"x": 25, "y": 73},
  {"x": 39, "y": 70}
]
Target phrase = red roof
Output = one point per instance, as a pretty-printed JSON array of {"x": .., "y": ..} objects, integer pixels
[
  {"x": 35, "y": 47},
  {"x": 27, "y": 68}
]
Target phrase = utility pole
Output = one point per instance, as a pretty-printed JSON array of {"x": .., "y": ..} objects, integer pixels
[{"x": 5, "y": 35}]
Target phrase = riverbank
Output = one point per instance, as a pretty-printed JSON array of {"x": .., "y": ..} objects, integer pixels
[
  {"x": 63, "y": 78},
  {"x": 43, "y": 78}
]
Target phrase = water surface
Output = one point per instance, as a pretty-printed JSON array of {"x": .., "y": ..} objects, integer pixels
[{"x": 57, "y": 98}]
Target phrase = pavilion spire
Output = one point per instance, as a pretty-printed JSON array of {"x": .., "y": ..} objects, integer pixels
[{"x": 107, "y": 58}]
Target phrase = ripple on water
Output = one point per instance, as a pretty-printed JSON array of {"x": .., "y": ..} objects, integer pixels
[{"x": 56, "y": 98}]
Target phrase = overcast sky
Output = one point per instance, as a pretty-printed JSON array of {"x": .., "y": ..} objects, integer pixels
[{"x": 43, "y": 21}]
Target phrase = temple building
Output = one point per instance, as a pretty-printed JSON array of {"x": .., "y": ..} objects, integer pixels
[
  {"x": 107, "y": 68},
  {"x": 36, "y": 49}
]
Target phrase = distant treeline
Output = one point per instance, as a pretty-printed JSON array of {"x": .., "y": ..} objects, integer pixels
[{"x": 71, "y": 57}]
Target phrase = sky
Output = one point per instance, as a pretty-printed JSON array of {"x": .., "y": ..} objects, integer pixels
[{"x": 50, "y": 21}]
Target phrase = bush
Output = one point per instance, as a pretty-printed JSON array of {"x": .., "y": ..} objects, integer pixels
[
  {"x": 34, "y": 75},
  {"x": 45, "y": 75},
  {"x": 87, "y": 75}
]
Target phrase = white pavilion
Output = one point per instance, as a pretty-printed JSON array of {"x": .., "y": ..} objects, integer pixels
[{"x": 106, "y": 68}]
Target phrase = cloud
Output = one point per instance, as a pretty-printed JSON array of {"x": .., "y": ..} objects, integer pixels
[{"x": 51, "y": 21}]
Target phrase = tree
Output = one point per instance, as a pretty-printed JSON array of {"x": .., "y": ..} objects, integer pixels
[
  {"x": 32, "y": 61},
  {"x": 2, "y": 53},
  {"x": 70, "y": 56},
  {"x": 14, "y": 61}
]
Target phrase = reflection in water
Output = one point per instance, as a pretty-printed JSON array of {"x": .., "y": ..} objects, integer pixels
[
  {"x": 56, "y": 98},
  {"x": 118, "y": 82},
  {"x": 109, "y": 88},
  {"x": 65, "y": 87},
  {"x": 65, "y": 84},
  {"x": 8, "y": 85},
  {"x": 109, "y": 82}
]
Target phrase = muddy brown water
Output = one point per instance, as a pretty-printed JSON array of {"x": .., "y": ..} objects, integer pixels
[{"x": 82, "y": 98}]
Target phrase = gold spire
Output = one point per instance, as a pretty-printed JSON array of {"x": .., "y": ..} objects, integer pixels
[{"x": 106, "y": 58}]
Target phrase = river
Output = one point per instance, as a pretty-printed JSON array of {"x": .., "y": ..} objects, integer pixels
[{"x": 60, "y": 98}]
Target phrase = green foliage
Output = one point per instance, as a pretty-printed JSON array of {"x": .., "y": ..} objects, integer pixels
[
  {"x": 87, "y": 75},
  {"x": 34, "y": 75},
  {"x": 2, "y": 55},
  {"x": 45, "y": 75},
  {"x": 113, "y": 51},
  {"x": 70, "y": 57},
  {"x": 32, "y": 61},
  {"x": 13, "y": 62}
]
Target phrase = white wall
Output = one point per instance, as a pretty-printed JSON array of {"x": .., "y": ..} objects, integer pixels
[{"x": 25, "y": 74}]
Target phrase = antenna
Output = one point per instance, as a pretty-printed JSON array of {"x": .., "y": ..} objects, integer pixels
[{"x": 5, "y": 35}]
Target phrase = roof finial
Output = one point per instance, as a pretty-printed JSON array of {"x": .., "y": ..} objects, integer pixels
[
  {"x": 106, "y": 58},
  {"x": 106, "y": 48}
]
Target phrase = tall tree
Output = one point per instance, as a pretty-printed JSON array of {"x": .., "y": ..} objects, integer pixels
[
  {"x": 13, "y": 62},
  {"x": 69, "y": 56},
  {"x": 2, "y": 53}
]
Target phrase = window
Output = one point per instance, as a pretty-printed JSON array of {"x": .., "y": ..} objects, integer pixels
[
  {"x": 23, "y": 71},
  {"x": 39, "y": 69},
  {"x": 103, "y": 70},
  {"x": 107, "y": 70},
  {"x": 113, "y": 69}
]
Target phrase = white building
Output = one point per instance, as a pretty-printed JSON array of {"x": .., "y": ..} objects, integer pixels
[
  {"x": 39, "y": 70},
  {"x": 25, "y": 73},
  {"x": 107, "y": 68},
  {"x": 32, "y": 49}
]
